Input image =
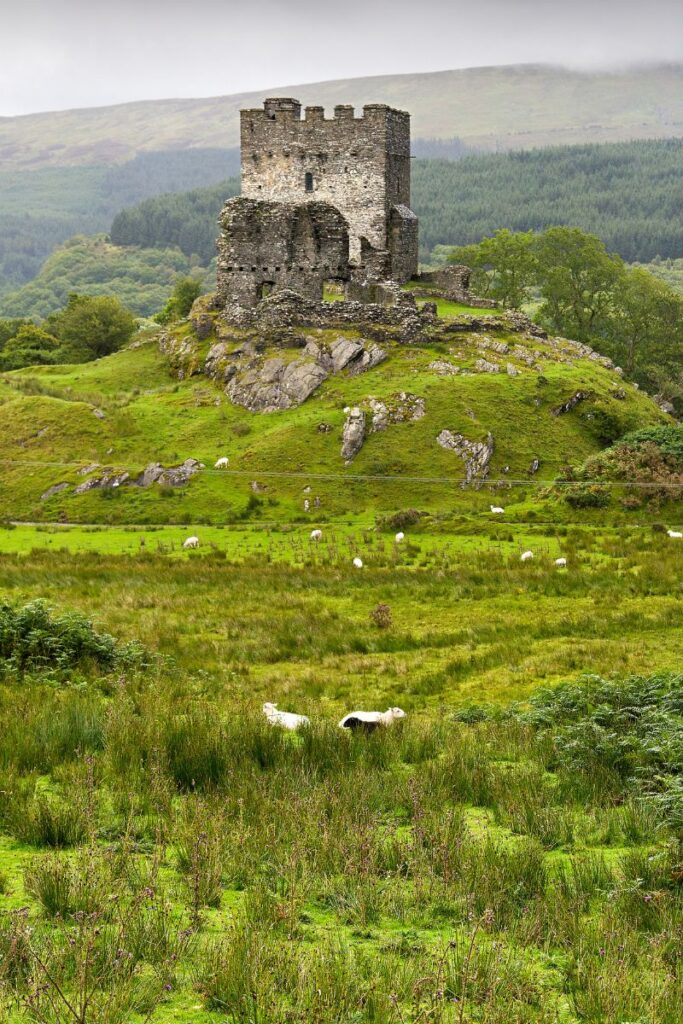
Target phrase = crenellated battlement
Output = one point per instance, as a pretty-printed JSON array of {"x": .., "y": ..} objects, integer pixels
[{"x": 284, "y": 109}]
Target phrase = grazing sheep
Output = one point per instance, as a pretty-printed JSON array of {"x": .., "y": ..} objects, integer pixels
[
  {"x": 368, "y": 721},
  {"x": 496, "y": 509},
  {"x": 316, "y": 535},
  {"x": 307, "y": 505},
  {"x": 399, "y": 537},
  {"x": 358, "y": 562},
  {"x": 527, "y": 556},
  {"x": 222, "y": 463},
  {"x": 675, "y": 533},
  {"x": 191, "y": 542},
  {"x": 285, "y": 719},
  {"x": 560, "y": 562}
]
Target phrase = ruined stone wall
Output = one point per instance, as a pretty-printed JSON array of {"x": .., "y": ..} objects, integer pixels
[
  {"x": 453, "y": 283},
  {"x": 361, "y": 165},
  {"x": 268, "y": 246}
]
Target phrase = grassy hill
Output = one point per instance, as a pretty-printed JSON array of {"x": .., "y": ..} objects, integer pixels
[
  {"x": 129, "y": 410},
  {"x": 142, "y": 279},
  {"x": 509, "y": 107}
]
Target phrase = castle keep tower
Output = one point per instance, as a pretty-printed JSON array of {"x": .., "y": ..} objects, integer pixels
[
  {"x": 361, "y": 165},
  {"x": 356, "y": 166}
]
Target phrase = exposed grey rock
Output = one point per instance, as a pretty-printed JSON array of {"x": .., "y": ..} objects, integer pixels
[
  {"x": 353, "y": 434},
  {"x": 112, "y": 480},
  {"x": 174, "y": 476},
  {"x": 55, "y": 489},
  {"x": 86, "y": 470},
  {"x": 512, "y": 370},
  {"x": 484, "y": 366},
  {"x": 343, "y": 350},
  {"x": 476, "y": 454},
  {"x": 571, "y": 403},
  {"x": 371, "y": 356},
  {"x": 535, "y": 466},
  {"x": 524, "y": 356},
  {"x": 258, "y": 488},
  {"x": 276, "y": 384},
  {"x": 665, "y": 405},
  {"x": 99, "y": 414},
  {"x": 399, "y": 408},
  {"x": 495, "y": 346},
  {"x": 324, "y": 428},
  {"x": 443, "y": 368}
]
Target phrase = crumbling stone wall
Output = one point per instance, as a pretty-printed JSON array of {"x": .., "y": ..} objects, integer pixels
[
  {"x": 270, "y": 246},
  {"x": 360, "y": 165},
  {"x": 453, "y": 283}
]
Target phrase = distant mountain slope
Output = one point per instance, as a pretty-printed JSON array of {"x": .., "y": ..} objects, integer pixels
[{"x": 510, "y": 107}]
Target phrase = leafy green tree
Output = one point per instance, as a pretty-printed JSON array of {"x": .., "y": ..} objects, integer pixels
[
  {"x": 30, "y": 346},
  {"x": 647, "y": 328},
  {"x": 92, "y": 326},
  {"x": 577, "y": 278},
  {"x": 184, "y": 293},
  {"x": 505, "y": 265}
]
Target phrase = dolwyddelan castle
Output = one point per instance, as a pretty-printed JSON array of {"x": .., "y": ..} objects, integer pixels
[{"x": 323, "y": 199}]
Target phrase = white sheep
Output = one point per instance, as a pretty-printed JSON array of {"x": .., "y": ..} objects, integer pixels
[
  {"x": 358, "y": 562},
  {"x": 307, "y": 505},
  {"x": 368, "y": 721},
  {"x": 496, "y": 509},
  {"x": 560, "y": 562},
  {"x": 527, "y": 556},
  {"x": 675, "y": 533},
  {"x": 285, "y": 719},
  {"x": 191, "y": 542},
  {"x": 316, "y": 535},
  {"x": 399, "y": 537},
  {"x": 222, "y": 463}
]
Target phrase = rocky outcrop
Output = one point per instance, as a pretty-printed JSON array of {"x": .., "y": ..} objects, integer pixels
[
  {"x": 275, "y": 384},
  {"x": 571, "y": 403},
  {"x": 183, "y": 354},
  {"x": 174, "y": 476},
  {"x": 154, "y": 473},
  {"x": 399, "y": 409},
  {"x": 475, "y": 454},
  {"x": 55, "y": 489},
  {"x": 443, "y": 368},
  {"x": 353, "y": 434},
  {"x": 484, "y": 366}
]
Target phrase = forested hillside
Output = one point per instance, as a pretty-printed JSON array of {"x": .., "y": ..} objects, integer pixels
[
  {"x": 141, "y": 279},
  {"x": 41, "y": 209},
  {"x": 630, "y": 194}
]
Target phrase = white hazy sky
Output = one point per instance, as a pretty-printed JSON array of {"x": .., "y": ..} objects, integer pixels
[{"x": 56, "y": 54}]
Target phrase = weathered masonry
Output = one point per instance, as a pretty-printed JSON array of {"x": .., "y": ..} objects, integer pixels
[{"x": 360, "y": 166}]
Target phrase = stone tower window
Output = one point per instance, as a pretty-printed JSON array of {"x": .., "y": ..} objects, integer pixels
[{"x": 308, "y": 181}]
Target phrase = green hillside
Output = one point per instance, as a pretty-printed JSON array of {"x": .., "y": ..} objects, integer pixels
[
  {"x": 507, "y": 107},
  {"x": 60, "y": 425},
  {"x": 141, "y": 279}
]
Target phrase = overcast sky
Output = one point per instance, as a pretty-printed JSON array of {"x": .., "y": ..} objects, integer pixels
[{"x": 56, "y": 54}]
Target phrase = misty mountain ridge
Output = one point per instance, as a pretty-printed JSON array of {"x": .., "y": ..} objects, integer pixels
[{"x": 490, "y": 108}]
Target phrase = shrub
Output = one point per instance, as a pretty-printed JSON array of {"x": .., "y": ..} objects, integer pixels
[
  {"x": 381, "y": 616},
  {"x": 587, "y": 496}
]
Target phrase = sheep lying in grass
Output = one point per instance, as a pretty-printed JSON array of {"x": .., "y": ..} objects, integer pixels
[
  {"x": 285, "y": 719},
  {"x": 560, "y": 562},
  {"x": 496, "y": 509},
  {"x": 222, "y": 463},
  {"x": 527, "y": 556},
  {"x": 358, "y": 562},
  {"x": 316, "y": 534},
  {"x": 191, "y": 542},
  {"x": 368, "y": 721},
  {"x": 675, "y": 533},
  {"x": 399, "y": 537}
]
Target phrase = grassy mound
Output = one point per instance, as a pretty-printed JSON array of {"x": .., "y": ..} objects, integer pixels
[{"x": 126, "y": 411}]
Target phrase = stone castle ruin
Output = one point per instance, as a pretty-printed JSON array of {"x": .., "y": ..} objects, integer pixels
[{"x": 323, "y": 200}]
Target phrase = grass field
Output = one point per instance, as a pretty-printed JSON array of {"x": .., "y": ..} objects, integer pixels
[
  {"x": 165, "y": 855},
  {"x": 510, "y": 853}
]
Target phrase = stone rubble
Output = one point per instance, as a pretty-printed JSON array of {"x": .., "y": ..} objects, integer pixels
[{"x": 475, "y": 454}]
